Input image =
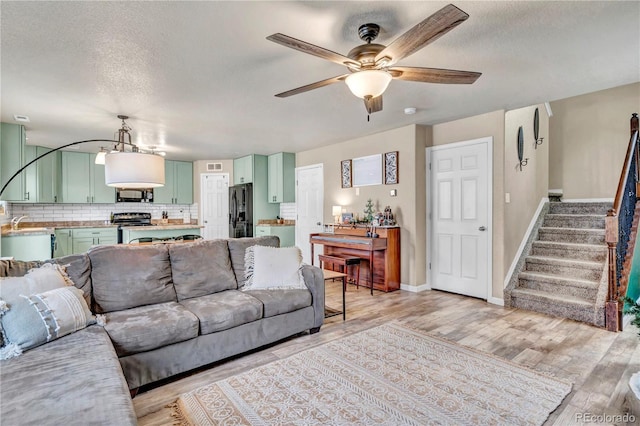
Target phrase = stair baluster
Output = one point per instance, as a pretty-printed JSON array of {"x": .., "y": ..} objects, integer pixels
[{"x": 618, "y": 227}]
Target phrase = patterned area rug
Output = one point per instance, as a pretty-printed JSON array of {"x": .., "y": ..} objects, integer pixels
[{"x": 387, "y": 375}]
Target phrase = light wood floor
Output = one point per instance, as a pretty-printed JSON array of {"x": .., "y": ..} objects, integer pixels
[{"x": 597, "y": 362}]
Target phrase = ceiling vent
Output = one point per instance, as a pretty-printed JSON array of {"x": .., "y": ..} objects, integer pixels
[
  {"x": 214, "y": 167},
  {"x": 22, "y": 118}
]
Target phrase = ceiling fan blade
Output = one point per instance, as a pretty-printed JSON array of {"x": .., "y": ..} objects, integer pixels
[
  {"x": 373, "y": 104},
  {"x": 422, "y": 34},
  {"x": 434, "y": 75},
  {"x": 312, "y": 86},
  {"x": 314, "y": 50}
]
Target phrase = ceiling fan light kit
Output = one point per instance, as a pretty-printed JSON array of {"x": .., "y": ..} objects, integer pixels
[
  {"x": 368, "y": 83},
  {"x": 371, "y": 64}
]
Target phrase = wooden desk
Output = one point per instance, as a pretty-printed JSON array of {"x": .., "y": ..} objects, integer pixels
[{"x": 381, "y": 255}]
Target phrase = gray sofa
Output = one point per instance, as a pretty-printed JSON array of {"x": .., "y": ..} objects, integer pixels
[{"x": 168, "y": 309}]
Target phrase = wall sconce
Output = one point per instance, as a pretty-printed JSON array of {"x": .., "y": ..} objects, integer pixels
[
  {"x": 336, "y": 211},
  {"x": 520, "y": 141},
  {"x": 536, "y": 129}
]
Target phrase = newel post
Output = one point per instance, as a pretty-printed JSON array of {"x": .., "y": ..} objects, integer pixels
[{"x": 611, "y": 237}]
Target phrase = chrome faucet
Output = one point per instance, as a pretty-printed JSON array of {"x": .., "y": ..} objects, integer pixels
[{"x": 16, "y": 221}]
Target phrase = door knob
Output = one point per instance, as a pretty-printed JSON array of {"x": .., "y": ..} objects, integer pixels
[{"x": 482, "y": 228}]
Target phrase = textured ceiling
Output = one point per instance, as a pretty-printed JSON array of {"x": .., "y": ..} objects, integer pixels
[{"x": 198, "y": 78}]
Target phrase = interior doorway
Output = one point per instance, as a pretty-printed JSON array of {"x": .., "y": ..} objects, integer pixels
[
  {"x": 309, "y": 203},
  {"x": 214, "y": 205},
  {"x": 459, "y": 219}
]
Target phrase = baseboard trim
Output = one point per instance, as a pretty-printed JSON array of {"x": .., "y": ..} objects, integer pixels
[
  {"x": 588, "y": 200},
  {"x": 523, "y": 243},
  {"x": 415, "y": 288},
  {"x": 495, "y": 301}
]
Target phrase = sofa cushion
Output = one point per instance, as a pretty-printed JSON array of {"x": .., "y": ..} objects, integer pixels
[
  {"x": 148, "y": 327},
  {"x": 126, "y": 276},
  {"x": 78, "y": 268},
  {"x": 227, "y": 309},
  {"x": 201, "y": 268},
  {"x": 237, "y": 247},
  {"x": 74, "y": 380},
  {"x": 276, "y": 302}
]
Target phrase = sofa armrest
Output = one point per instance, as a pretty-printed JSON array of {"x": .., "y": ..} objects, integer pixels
[{"x": 314, "y": 281}]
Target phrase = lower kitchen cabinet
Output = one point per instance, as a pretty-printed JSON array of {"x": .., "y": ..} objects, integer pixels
[
  {"x": 27, "y": 247},
  {"x": 79, "y": 240},
  {"x": 286, "y": 233}
]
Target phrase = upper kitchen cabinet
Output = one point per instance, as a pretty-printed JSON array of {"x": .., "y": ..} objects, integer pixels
[
  {"x": 12, "y": 157},
  {"x": 243, "y": 170},
  {"x": 47, "y": 175},
  {"x": 178, "y": 184},
  {"x": 83, "y": 181},
  {"x": 281, "y": 175}
]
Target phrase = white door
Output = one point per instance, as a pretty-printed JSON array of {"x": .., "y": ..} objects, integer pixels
[
  {"x": 309, "y": 202},
  {"x": 214, "y": 201},
  {"x": 459, "y": 230}
]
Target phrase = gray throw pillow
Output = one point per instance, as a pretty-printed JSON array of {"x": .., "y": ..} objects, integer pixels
[{"x": 22, "y": 324}]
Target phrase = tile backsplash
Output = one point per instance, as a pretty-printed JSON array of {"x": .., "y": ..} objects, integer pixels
[
  {"x": 96, "y": 212},
  {"x": 288, "y": 211}
]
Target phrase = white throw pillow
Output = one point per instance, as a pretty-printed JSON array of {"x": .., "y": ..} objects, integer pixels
[{"x": 269, "y": 268}]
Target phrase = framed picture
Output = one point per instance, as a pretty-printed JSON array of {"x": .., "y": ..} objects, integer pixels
[
  {"x": 391, "y": 168},
  {"x": 367, "y": 170},
  {"x": 345, "y": 172},
  {"x": 347, "y": 218}
]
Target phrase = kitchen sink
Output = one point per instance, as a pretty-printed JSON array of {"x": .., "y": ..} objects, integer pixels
[{"x": 30, "y": 230}]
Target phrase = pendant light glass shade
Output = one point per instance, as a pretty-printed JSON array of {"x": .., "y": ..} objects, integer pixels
[
  {"x": 100, "y": 156},
  {"x": 134, "y": 170},
  {"x": 368, "y": 83}
]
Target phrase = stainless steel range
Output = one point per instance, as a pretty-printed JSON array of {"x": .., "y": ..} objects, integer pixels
[{"x": 130, "y": 219}]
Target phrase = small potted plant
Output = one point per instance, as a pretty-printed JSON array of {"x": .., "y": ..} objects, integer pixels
[{"x": 633, "y": 307}]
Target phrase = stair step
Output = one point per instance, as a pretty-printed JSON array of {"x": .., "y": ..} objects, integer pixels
[
  {"x": 589, "y": 252},
  {"x": 579, "y": 208},
  {"x": 571, "y": 235},
  {"x": 569, "y": 268},
  {"x": 554, "y": 284},
  {"x": 563, "y": 306},
  {"x": 589, "y": 221}
]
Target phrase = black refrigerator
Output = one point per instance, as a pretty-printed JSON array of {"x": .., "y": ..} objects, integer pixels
[{"x": 241, "y": 211}]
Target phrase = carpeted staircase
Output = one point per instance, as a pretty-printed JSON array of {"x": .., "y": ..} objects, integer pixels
[{"x": 562, "y": 269}]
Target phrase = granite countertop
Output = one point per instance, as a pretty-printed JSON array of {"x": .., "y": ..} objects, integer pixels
[
  {"x": 158, "y": 226},
  {"x": 44, "y": 228},
  {"x": 27, "y": 231},
  {"x": 274, "y": 222}
]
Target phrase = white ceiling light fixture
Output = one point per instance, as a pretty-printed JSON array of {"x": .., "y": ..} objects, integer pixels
[
  {"x": 410, "y": 110},
  {"x": 100, "y": 156},
  {"x": 368, "y": 83},
  {"x": 133, "y": 169}
]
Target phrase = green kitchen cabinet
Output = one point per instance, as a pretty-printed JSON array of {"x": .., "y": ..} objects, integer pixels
[
  {"x": 85, "y": 238},
  {"x": 27, "y": 247},
  {"x": 286, "y": 233},
  {"x": 243, "y": 170},
  {"x": 178, "y": 184},
  {"x": 63, "y": 245},
  {"x": 83, "y": 181},
  {"x": 281, "y": 172},
  {"x": 41, "y": 179},
  {"x": 12, "y": 157},
  {"x": 48, "y": 175}
]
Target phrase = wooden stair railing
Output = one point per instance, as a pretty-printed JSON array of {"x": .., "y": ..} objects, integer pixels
[{"x": 618, "y": 228}]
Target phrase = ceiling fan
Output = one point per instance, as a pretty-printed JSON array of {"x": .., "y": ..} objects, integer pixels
[{"x": 371, "y": 66}]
